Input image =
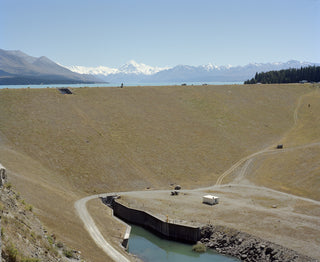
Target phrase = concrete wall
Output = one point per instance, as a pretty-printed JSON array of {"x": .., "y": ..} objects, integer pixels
[
  {"x": 169, "y": 230},
  {"x": 109, "y": 201},
  {"x": 126, "y": 237}
]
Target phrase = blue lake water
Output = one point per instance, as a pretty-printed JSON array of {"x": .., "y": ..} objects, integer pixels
[
  {"x": 117, "y": 84},
  {"x": 150, "y": 247}
]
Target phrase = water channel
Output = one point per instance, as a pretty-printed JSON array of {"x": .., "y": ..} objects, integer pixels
[{"x": 150, "y": 247}]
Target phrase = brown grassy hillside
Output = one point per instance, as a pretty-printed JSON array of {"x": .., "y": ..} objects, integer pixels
[
  {"x": 296, "y": 169},
  {"x": 102, "y": 139},
  {"x": 58, "y": 148}
]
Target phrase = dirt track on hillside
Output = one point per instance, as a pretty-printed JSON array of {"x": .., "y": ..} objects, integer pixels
[{"x": 251, "y": 157}]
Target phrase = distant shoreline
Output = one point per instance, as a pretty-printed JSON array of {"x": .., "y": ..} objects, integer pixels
[{"x": 118, "y": 85}]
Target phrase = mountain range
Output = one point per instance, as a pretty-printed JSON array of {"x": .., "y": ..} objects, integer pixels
[
  {"x": 133, "y": 72},
  {"x": 17, "y": 67}
]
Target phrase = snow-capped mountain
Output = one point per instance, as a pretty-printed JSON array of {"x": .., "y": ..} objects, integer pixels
[
  {"x": 100, "y": 70},
  {"x": 131, "y": 67},
  {"x": 140, "y": 73}
]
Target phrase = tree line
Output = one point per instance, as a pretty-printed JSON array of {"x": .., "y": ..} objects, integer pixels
[{"x": 292, "y": 75}]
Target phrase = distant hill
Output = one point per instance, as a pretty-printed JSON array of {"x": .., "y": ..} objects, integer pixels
[
  {"x": 141, "y": 73},
  {"x": 17, "y": 67}
]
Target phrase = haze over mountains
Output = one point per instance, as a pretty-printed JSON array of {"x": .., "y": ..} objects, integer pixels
[{"x": 17, "y": 67}]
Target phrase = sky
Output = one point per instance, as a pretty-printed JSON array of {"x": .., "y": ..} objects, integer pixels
[{"x": 162, "y": 32}]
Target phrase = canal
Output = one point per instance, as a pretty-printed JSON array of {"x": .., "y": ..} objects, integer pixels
[{"x": 150, "y": 247}]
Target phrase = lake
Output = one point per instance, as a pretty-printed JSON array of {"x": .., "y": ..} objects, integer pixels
[{"x": 116, "y": 84}]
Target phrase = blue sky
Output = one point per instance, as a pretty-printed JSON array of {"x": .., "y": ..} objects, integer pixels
[{"x": 164, "y": 32}]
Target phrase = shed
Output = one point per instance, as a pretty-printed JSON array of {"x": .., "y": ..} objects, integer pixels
[{"x": 210, "y": 199}]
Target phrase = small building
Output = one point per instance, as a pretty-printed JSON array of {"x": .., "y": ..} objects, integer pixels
[{"x": 210, "y": 199}]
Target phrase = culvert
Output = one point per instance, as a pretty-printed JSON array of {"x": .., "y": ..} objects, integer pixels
[{"x": 65, "y": 91}]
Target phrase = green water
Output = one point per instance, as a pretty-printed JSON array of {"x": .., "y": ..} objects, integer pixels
[{"x": 150, "y": 247}]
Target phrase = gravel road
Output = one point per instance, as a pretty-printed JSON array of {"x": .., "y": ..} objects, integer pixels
[{"x": 94, "y": 232}]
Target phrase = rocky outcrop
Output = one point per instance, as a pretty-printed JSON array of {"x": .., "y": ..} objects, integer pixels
[
  {"x": 2, "y": 181},
  {"x": 23, "y": 236},
  {"x": 246, "y": 247},
  {"x": 3, "y": 175}
]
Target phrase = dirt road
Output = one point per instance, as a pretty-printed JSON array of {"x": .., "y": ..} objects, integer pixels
[
  {"x": 94, "y": 232},
  {"x": 252, "y": 156}
]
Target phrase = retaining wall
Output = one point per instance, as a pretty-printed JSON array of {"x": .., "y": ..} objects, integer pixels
[
  {"x": 169, "y": 230},
  {"x": 109, "y": 201}
]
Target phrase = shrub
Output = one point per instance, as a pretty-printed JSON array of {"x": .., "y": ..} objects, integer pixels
[
  {"x": 50, "y": 240},
  {"x": 199, "y": 247},
  {"x": 33, "y": 235},
  {"x": 11, "y": 252},
  {"x": 60, "y": 244},
  {"x": 30, "y": 260},
  {"x": 5, "y": 220},
  {"x": 29, "y": 207},
  {"x": 17, "y": 195},
  {"x": 68, "y": 253}
]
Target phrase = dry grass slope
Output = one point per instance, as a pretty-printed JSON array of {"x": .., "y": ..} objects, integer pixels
[
  {"x": 59, "y": 148},
  {"x": 104, "y": 139},
  {"x": 297, "y": 170}
]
